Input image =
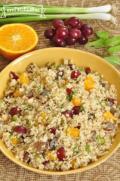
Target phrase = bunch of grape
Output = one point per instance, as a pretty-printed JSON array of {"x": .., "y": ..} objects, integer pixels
[{"x": 68, "y": 32}]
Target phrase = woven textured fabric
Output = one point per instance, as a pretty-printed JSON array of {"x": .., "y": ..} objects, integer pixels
[{"x": 109, "y": 170}]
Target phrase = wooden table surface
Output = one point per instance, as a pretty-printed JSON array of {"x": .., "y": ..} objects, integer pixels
[{"x": 109, "y": 170}]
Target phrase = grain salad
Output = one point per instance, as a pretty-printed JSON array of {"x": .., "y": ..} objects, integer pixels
[{"x": 58, "y": 117}]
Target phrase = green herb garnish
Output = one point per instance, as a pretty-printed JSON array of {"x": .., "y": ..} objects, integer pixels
[
  {"x": 69, "y": 97},
  {"x": 102, "y": 34},
  {"x": 114, "y": 59},
  {"x": 87, "y": 148},
  {"x": 100, "y": 140},
  {"x": 110, "y": 43},
  {"x": 14, "y": 118}
]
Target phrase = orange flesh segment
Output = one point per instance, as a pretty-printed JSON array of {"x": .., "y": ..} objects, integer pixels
[{"x": 17, "y": 38}]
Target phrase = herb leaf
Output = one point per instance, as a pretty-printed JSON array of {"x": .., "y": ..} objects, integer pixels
[
  {"x": 87, "y": 148},
  {"x": 100, "y": 140},
  {"x": 102, "y": 34},
  {"x": 97, "y": 43},
  {"x": 114, "y": 59},
  {"x": 113, "y": 41},
  {"x": 114, "y": 49}
]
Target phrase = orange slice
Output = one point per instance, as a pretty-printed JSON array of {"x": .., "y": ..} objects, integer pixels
[{"x": 17, "y": 39}]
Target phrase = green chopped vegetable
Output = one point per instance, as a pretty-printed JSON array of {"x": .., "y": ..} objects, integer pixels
[
  {"x": 87, "y": 148},
  {"x": 114, "y": 59},
  {"x": 102, "y": 34},
  {"x": 75, "y": 149},
  {"x": 100, "y": 140},
  {"x": 69, "y": 97},
  {"x": 14, "y": 118}
]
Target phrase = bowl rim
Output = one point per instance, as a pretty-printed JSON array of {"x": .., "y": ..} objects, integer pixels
[{"x": 45, "y": 172}]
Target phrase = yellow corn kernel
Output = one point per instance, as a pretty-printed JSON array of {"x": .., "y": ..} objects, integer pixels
[
  {"x": 14, "y": 140},
  {"x": 73, "y": 132},
  {"x": 17, "y": 93},
  {"x": 43, "y": 116},
  {"x": 73, "y": 162},
  {"x": 109, "y": 116},
  {"x": 51, "y": 156},
  {"x": 76, "y": 101},
  {"x": 24, "y": 78},
  {"x": 89, "y": 83}
]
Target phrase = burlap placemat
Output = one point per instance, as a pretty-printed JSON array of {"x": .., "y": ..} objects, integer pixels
[{"x": 109, "y": 170}]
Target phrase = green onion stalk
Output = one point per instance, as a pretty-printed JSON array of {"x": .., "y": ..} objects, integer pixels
[{"x": 14, "y": 13}]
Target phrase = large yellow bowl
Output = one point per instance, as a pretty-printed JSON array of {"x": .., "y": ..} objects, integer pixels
[{"x": 80, "y": 58}]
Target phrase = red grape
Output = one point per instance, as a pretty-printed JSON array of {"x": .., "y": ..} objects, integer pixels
[
  {"x": 70, "y": 41},
  {"x": 20, "y": 129},
  {"x": 62, "y": 32},
  {"x": 61, "y": 154},
  {"x": 73, "y": 22},
  {"x": 76, "y": 110},
  {"x": 69, "y": 91},
  {"x": 86, "y": 30},
  {"x": 83, "y": 40},
  {"x": 79, "y": 25},
  {"x": 58, "y": 23},
  {"x": 68, "y": 114},
  {"x": 75, "y": 74},
  {"x": 49, "y": 33},
  {"x": 75, "y": 33},
  {"x": 59, "y": 42},
  {"x": 53, "y": 130},
  {"x": 14, "y": 110}
]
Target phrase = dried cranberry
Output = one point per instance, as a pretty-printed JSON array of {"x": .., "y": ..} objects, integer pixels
[
  {"x": 78, "y": 126},
  {"x": 14, "y": 110},
  {"x": 87, "y": 70},
  {"x": 75, "y": 74},
  {"x": 111, "y": 100},
  {"x": 26, "y": 157},
  {"x": 76, "y": 110},
  {"x": 20, "y": 129},
  {"x": 53, "y": 130},
  {"x": 71, "y": 66},
  {"x": 46, "y": 162},
  {"x": 69, "y": 91},
  {"x": 14, "y": 75},
  {"x": 9, "y": 94},
  {"x": 61, "y": 154},
  {"x": 68, "y": 113}
]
